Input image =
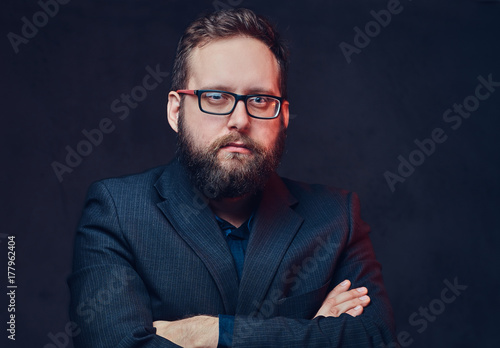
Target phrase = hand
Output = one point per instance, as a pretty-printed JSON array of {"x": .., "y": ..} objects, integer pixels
[
  {"x": 342, "y": 300},
  {"x": 201, "y": 331}
]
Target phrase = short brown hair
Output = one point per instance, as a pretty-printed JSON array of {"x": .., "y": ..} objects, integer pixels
[{"x": 226, "y": 24}]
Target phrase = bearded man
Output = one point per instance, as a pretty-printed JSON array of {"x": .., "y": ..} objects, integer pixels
[{"x": 215, "y": 249}]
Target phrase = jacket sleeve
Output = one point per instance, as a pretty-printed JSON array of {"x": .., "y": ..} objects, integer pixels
[
  {"x": 373, "y": 328},
  {"x": 109, "y": 301}
]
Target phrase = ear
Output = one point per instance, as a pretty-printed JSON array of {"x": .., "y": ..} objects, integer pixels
[
  {"x": 173, "y": 108},
  {"x": 285, "y": 113}
]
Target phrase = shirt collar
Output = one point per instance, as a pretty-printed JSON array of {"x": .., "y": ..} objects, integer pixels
[{"x": 241, "y": 232}]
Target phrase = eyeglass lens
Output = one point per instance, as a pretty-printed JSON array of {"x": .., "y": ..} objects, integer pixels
[{"x": 223, "y": 103}]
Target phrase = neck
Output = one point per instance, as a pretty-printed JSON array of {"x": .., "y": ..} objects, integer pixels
[{"x": 234, "y": 210}]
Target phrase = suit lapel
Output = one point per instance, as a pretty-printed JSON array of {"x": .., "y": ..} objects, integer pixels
[
  {"x": 193, "y": 220},
  {"x": 274, "y": 228}
]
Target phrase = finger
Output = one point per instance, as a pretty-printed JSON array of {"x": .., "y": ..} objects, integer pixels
[
  {"x": 342, "y": 287},
  {"x": 330, "y": 306},
  {"x": 345, "y": 296},
  {"x": 328, "y": 310},
  {"x": 354, "y": 312},
  {"x": 348, "y": 305}
]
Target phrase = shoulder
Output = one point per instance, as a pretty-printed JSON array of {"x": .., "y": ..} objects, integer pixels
[
  {"x": 143, "y": 178},
  {"x": 302, "y": 190},
  {"x": 131, "y": 185},
  {"x": 318, "y": 198}
]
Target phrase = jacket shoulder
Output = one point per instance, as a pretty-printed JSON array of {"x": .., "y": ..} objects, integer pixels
[
  {"x": 302, "y": 190},
  {"x": 131, "y": 184},
  {"x": 319, "y": 200}
]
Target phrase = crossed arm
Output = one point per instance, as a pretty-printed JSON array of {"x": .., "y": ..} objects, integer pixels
[
  {"x": 203, "y": 331},
  {"x": 111, "y": 303}
]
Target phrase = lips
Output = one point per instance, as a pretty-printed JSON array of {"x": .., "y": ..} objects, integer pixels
[
  {"x": 236, "y": 144},
  {"x": 237, "y": 147}
]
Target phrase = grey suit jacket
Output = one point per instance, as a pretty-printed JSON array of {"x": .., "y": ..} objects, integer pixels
[{"x": 149, "y": 248}]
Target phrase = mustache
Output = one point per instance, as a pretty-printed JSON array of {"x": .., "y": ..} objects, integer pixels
[{"x": 227, "y": 139}]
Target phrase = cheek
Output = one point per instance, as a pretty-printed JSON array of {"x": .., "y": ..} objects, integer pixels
[
  {"x": 203, "y": 129},
  {"x": 268, "y": 134}
]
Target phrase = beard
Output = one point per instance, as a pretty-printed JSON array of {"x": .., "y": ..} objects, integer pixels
[{"x": 228, "y": 174}]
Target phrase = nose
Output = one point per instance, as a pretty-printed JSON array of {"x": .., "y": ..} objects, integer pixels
[{"x": 239, "y": 118}]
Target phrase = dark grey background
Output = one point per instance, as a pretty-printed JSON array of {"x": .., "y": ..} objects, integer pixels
[{"x": 350, "y": 123}]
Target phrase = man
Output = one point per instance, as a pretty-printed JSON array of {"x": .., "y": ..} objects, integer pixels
[{"x": 215, "y": 249}]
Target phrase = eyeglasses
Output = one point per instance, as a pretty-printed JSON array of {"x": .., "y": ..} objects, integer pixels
[{"x": 223, "y": 103}]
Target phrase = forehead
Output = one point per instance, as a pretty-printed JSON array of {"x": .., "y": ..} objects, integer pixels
[{"x": 237, "y": 63}]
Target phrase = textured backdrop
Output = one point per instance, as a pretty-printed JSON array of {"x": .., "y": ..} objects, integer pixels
[{"x": 396, "y": 100}]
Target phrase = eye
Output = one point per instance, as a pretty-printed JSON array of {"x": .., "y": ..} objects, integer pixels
[
  {"x": 261, "y": 101},
  {"x": 216, "y": 97}
]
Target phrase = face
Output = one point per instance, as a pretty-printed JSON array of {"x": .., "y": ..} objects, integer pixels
[{"x": 229, "y": 156}]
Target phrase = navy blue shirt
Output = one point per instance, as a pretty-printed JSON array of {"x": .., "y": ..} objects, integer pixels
[{"x": 237, "y": 240}]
